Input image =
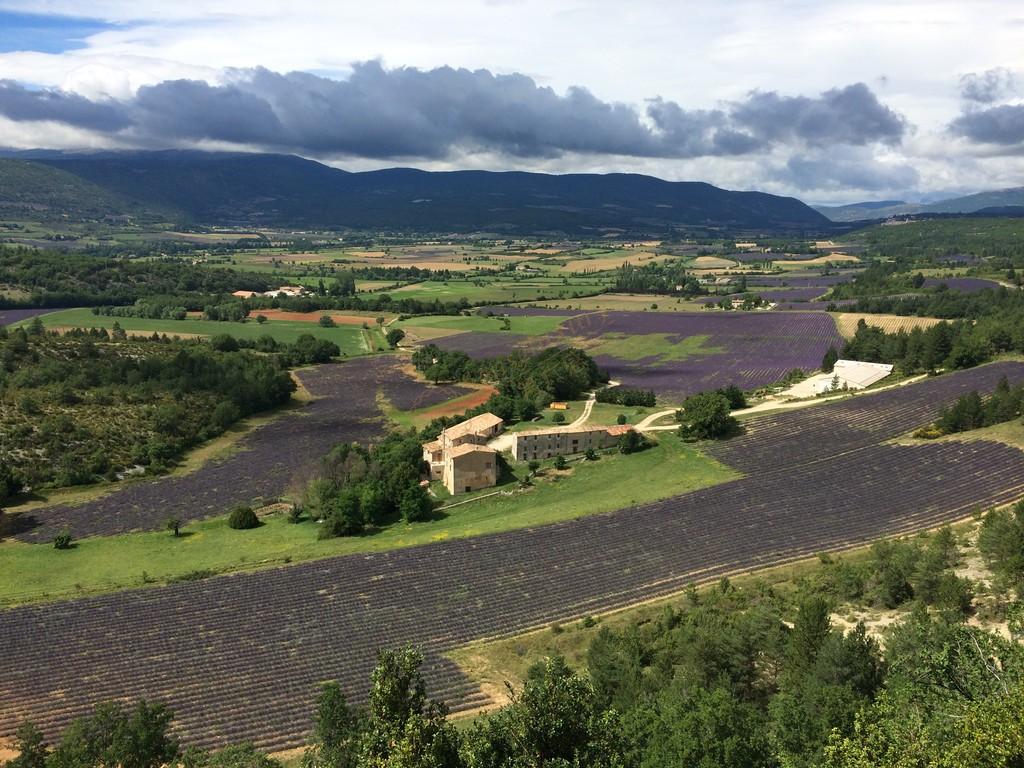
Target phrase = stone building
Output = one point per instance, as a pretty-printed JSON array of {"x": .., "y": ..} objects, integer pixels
[
  {"x": 470, "y": 467},
  {"x": 548, "y": 443}
]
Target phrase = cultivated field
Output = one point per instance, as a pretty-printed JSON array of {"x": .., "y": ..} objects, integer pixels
[
  {"x": 240, "y": 657},
  {"x": 847, "y": 322},
  {"x": 345, "y": 409},
  {"x": 350, "y": 338}
]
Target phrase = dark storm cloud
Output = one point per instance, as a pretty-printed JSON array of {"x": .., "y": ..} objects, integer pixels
[
  {"x": 850, "y": 115},
  {"x": 407, "y": 112},
  {"x": 20, "y": 103},
  {"x": 1002, "y": 125},
  {"x": 987, "y": 87},
  {"x": 851, "y": 168}
]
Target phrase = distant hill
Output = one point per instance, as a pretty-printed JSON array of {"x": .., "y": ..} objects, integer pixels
[
  {"x": 997, "y": 202},
  {"x": 288, "y": 191},
  {"x": 34, "y": 191}
]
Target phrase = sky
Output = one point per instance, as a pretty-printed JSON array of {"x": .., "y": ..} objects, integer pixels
[{"x": 831, "y": 101}]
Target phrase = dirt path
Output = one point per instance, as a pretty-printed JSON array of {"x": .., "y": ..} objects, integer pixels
[
  {"x": 775, "y": 405},
  {"x": 648, "y": 421}
]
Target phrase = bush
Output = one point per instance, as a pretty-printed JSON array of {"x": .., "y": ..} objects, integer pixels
[
  {"x": 591, "y": 454},
  {"x": 620, "y": 419},
  {"x": 560, "y": 462},
  {"x": 62, "y": 540},
  {"x": 558, "y": 418},
  {"x": 326, "y": 321},
  {"x": 631, "y": 442},
  {"x": 242, "y": 518}
]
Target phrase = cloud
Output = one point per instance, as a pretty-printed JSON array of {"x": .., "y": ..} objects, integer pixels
[
  {"x": 852, "y": 168},
  {"x": 24, "y": 104},
  {"x": 432, "y": 114},
  {"x": 987, "y": 87},
  {"x": 1002, "y": 125},
  {"x": 850, "y": 115}
]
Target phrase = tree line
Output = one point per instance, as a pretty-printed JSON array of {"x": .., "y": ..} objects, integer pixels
[
  {"x": 526, "y": 383},
  {"x": 88, "y": 404}
]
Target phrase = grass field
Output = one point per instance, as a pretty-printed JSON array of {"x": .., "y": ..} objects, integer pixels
[
  {"x": 492, "y": 290},
  {"x": 529, "y": 326},
  {"x": 625, "y": 302},
  {"x": 38, "y": 572},
  {"x": 352, "y": 340},
  {"x": 654, "y": 345}
]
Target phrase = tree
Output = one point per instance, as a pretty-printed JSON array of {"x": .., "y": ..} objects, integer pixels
[
  {"x": 631, "y": 442},
  {"x": 326, "y": 321},
  {"x": 590, "y": 455},
  {"x": 560, "y": 462},
  {"x": 828, "y": 363},
  {"x": 621, "y": 419},
  {"x": 394, "y": 336},
  {"x": 174, "y": 525},
  {"x": 32, "y": 749},
  {"x": 242, "y": 518},
  {"x": 405, "y": 728},
  {"x": 261, "y": 319},
  {"x": 62, "y": 540},
  {"x": 706, "y": 416},
  {"x": 116, "y": 736},
  {"x": 555, "y": 720},
  {"x": 558, "y": 418},
  {"x": 337, "y": 729}
]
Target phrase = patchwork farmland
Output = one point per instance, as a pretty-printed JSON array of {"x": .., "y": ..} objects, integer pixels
[
  {"x": 240, "y": 657},
  {"x": 344, "y": 409}
]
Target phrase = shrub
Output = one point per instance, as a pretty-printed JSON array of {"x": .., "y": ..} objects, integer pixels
[
  {"x": 560, "y": 462},
  {"x": 631, "y": 442},
  {"x": 620, "y": 419},
  {"x": 326, "y": 321},
  {"x": 242, "y": 518},
  {"x": 62, "y": 540},
  {"x": 174, "y": 526},
  {"x": 591, "y": 454},
  {"x": 558, "y": 418}
]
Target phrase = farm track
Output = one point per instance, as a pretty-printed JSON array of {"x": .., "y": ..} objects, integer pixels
[
  {"x": 344, "y": 409},
  {"x": 240, "y": 657}
]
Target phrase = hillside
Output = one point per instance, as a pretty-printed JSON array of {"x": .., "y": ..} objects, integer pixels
[
  {"x": 1000, "y": 201},
  {"x": 279, "y": 190},
  {"x": 35, "y": 191}
]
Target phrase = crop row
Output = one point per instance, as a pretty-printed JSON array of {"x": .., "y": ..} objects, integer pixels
[
  {"x": 240, "y": 657},
  {"x": 266, "y": 460},
  {"x": 788, "y": 439}
]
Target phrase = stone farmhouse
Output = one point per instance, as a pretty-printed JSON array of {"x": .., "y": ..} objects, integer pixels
[
  {"x": 460, "y": 458},
  {"x": 547, "y": 443}
]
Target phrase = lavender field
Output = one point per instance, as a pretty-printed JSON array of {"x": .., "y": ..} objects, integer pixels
[
  {"x": 266, "y": 460},
  {"x": 754, "y": 349},
  {"x": 242, "y": 657},
  {"x": 11, "y": 316}
]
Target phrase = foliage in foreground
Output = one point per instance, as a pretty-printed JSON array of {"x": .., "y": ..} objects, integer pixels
[{"x": 82, "y": 406}]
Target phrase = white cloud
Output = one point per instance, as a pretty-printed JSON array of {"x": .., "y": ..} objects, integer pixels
[{"x": 701, "y": 54}]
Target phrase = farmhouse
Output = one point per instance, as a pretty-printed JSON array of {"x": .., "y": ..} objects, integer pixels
[
  {"x": 470, "y": 467},
  {"x": 245, "y": 294},
  {"x": 473, "y": 432},
  {"x": 547, "y": 443}
]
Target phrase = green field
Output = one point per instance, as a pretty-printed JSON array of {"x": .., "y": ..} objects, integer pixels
[
  {"x": 351, "y": 340},
  {"x": 36, "y": 572},
  {"x": 655, "y": 345},
  {"x": 484, "y": 290},
  {"x": 529, "y": 326}
]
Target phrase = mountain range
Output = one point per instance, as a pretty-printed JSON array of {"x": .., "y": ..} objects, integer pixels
[
  {"x": 287, "y": 191},
  {"x": 1000, "y": 201}
]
